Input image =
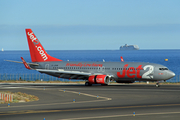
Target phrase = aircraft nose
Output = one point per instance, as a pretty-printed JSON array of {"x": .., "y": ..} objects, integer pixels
[{"x": 171, "y": 74}]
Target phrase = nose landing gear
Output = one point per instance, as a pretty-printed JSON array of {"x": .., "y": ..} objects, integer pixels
[{"x": 157, "y": 84}]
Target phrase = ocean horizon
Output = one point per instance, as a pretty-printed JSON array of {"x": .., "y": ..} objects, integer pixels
[{"x": 144, "y": 55}]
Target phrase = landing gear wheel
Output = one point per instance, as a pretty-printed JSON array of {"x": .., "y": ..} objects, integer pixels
[
  {"x": 87, "y": 84},
  {"x": 104, "y": 84},
  {"x": 157, "y": 84}
]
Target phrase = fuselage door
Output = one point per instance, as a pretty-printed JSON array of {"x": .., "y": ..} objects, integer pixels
[
  {"x": 47, "y": 66},
  {"x": 101, "y": 69}
]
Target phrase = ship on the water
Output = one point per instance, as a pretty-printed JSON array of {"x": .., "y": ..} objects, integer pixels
[{"x": 129, "y": 47}]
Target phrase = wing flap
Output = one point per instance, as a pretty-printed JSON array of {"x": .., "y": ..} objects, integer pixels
[{"x": 64, "y": 72}]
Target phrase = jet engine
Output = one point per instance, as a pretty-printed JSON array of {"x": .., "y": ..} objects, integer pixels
[{"x": 99, "y": 79}]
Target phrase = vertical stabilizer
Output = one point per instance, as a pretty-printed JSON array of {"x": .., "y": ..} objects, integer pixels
[{"x": 37, "y": 52}]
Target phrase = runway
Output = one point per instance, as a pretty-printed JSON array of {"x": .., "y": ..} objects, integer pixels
[{"x": 120, "y": 101}]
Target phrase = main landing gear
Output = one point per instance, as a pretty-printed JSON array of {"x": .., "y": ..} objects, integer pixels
[
  {"x": 104, "y": 84},
  {"x": 88, "y": 84}
]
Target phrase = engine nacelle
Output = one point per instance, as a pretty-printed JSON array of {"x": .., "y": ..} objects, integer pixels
[{"x": 99, "y": 79}]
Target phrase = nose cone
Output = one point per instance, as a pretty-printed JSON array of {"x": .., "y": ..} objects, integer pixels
[{"x": 170, "y": 74}]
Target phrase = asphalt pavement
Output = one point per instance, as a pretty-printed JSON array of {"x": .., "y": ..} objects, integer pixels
[{"x": 79, "y": 102}]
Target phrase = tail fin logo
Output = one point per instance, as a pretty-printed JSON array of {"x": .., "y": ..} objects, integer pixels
[
  {"x": 37, "y": 45},
  {"x": 33, "y": 38}
]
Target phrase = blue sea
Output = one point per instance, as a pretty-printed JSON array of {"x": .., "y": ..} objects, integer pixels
[{"x": 151, "y": 56}]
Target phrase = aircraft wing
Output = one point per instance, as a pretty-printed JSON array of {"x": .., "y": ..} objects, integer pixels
[
  {"x": 68, "y": 74},
  {"x": 64, "y": 72}
]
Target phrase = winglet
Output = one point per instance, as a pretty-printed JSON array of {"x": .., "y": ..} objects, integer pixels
[
  {"x": 25, "y": 63},
  {"x": 122, "y": 60}
]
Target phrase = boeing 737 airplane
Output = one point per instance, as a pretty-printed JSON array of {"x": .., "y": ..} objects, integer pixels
[{"x": 93, "y": 72}]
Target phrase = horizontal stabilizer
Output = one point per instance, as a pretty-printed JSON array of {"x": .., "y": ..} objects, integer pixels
[{"x": 22, "y": 62}]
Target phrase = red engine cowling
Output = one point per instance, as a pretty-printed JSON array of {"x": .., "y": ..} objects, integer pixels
[{"x": 99, "y": 79}]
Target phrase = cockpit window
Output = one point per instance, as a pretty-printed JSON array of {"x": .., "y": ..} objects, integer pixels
[{"x": 163, "y": 68}]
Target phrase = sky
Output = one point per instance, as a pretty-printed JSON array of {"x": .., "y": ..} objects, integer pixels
[{"x": 90, "y": 24}]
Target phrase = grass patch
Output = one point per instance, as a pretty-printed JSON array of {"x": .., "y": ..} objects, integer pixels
[{"x": 20, "y": 97}]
